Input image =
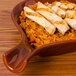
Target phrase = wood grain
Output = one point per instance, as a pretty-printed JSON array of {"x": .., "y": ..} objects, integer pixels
[{"x": 63, "y": 65}]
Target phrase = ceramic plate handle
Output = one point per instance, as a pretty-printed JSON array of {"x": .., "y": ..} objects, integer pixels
[{"x": 16, "y": 58}]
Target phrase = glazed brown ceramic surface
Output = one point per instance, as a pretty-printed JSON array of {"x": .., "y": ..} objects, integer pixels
[{"x": 17, "y": 58}]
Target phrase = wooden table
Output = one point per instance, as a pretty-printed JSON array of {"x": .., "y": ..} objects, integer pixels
[{"x": 63, "y": 65}]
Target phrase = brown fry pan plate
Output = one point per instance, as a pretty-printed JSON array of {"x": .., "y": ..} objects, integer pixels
[{"x": 17, "y": 58}]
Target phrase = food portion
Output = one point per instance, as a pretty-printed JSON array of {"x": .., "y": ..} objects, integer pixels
[
  {"x": 66, "y": 12},
  {"x": 56, "y": 9},
  {"x": 39, "y": 19},
  {"x": 58, "y": 22},
  {"x": 71, "y": 22},
  {"x": 48, "y": 22},
  {"x": 65, "y": 4},
  {"x": 68, "y": 4},
  {"x": 70, "y": 14}
]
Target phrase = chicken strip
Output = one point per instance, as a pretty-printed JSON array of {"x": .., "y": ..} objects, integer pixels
[
  {"x": 61, "y": 12},
  {"x": 70, "y": 14},
  {"x": 69, "y": 4},
  {"x": 59, "y": 23},
  {"x": 29, "y": 13},
  {"x": 65, "y": 4},
  {"x": 71, "y": 22},
  {"x": 56, "y": 9}
]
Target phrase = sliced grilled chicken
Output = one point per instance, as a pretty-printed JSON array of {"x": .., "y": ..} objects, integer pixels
[
  {"x": 62, "y": 13},
  {"x": 65, "y": 5},
  {"x": 39, "y": 19},
  {"x": 60, "y": 4},
  {"x": 57, "y": 10},
  {"x": 48, "y": 4},
  {"x": 69, "y": 4},
  {"x": 59, "y": 23},
  {"x": 70, "y": 14},
  {"x": 71, "y": 22},
  {"x": 57, "y": 3}
]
